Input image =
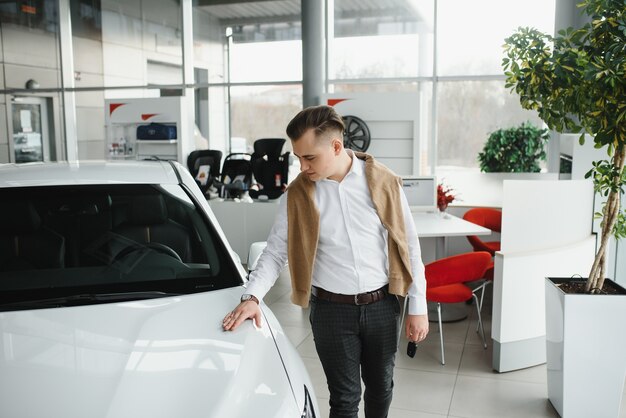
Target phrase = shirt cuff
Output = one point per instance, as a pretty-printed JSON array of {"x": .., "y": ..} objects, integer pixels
[
  {"x": 256, "y": 291},
  {"x": 417, "y": 305}
]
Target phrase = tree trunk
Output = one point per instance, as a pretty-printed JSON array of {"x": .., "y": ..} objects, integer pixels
[{"x": 610, "y": 214}]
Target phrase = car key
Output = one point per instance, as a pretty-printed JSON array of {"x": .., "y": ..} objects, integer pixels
[{"x": 411, "y": 349}]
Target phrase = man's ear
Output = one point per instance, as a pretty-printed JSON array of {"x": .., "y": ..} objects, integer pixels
[{"x": 337, "y": 145}]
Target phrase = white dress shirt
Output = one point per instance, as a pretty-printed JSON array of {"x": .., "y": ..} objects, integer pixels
[{"x": 351, "y": 253}]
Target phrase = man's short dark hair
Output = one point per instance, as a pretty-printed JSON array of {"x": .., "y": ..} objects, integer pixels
[{"x": 321, "y": 118}]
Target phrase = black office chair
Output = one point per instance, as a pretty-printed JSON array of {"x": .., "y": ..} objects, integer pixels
[
  {"x": 236, "y": 177},
  {"x": 24, "y": 243},
  {"x": 205, "y": 157},
  {"x": 270, "y": 168}
]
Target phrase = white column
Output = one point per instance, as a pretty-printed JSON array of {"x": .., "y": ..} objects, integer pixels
[
  {"x": 67, "y": 81},
  {"x": 186, "y": 134},
  {"x": 567, "y": 14},
  {"x": 313, "y": 51}
]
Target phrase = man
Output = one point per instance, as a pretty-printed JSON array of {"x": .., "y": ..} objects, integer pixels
[{"x": 346, "y": 228}]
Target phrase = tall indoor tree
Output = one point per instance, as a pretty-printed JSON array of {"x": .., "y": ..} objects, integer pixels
[{"x": 576, "y": 81}]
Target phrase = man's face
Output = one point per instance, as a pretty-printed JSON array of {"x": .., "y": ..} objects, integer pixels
[{"x": 318, "y": 156}]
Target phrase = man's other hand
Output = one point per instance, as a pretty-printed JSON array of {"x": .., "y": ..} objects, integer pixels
[{"x": 416, "y": 327}]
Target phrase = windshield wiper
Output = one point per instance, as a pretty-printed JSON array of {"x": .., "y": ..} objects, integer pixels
[{"x": 85, "y": 299}]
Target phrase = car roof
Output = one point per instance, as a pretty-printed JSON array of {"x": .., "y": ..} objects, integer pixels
[{"x": 87, "y": 172}]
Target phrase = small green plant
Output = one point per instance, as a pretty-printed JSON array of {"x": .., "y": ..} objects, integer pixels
[{"x": 514, "y": 150}]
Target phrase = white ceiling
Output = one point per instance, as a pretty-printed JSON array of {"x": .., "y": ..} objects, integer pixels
[{"x": 264, "y": 10}]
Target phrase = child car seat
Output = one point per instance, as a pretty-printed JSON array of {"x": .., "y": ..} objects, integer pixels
[
  {"x": 236, "y": 176},
  {"x": 200, "y": 159},
  {"x": 270, "y": 168}
]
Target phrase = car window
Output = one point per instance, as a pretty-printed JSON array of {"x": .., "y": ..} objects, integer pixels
[{"x": 66, "y": 240}]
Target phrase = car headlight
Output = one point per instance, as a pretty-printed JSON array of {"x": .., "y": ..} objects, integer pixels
[{"x": 307, "y": 411}]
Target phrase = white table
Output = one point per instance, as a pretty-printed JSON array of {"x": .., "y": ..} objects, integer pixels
[
  {"x": 434, "y": 225},
  {"x": 244, "y": 223}
]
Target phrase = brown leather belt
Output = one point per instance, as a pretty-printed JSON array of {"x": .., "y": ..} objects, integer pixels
[{"x": 359, "y": 299}]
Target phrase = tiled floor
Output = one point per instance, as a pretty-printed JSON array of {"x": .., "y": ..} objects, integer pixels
[{"x": 465, "y": 387}]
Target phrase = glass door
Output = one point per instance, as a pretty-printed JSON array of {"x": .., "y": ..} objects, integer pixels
[{"x": 31, "y": 139}]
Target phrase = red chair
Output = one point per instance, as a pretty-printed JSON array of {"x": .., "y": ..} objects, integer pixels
[
  {"x": 445, "y": 280},
  {"x": 491, "y": 219},
  {"x": 488, "y": 218}
]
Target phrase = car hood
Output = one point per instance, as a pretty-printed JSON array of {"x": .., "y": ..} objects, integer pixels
[{"x": 165, "y": 357}]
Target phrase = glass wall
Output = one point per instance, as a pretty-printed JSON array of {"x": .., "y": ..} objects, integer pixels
[
  {"x": 263, "y": 112},
  {"x": 248, "y": 65},
  {"x": 263, "y": 53},
  {"x": 390, "y": 46},
  {"x": 30, "y": 44},
  {"x": 248, "y": 60},
  {"x": 471, "y": 99},
  {"x": 119, "y": 44},
  {"x": 381, "y": 40},
  {"x": 31, "y": 125},
  {"x": 467, "y": 112},
  {"x": 126, "y": 42},
  {"x": 470, "y": 34},
  {"x": 387, "y": 47}
]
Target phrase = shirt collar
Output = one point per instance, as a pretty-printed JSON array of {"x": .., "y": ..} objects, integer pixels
[{"x": 357, "y": 164}]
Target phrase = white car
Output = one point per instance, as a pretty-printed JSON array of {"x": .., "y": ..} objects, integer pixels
[{"x": 114, "y": 280}]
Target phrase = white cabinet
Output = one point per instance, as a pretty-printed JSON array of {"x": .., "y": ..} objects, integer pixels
[
  {"x": 161, "y": 148},
  {"x": 124, "y": 116}
]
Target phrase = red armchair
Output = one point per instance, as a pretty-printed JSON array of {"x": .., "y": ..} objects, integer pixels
[
  {"x": 445, "y": 280},
  {"x": 491, "y": 219}
]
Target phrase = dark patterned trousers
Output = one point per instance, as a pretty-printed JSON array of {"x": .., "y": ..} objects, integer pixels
[{"x": 355, "y": 342}]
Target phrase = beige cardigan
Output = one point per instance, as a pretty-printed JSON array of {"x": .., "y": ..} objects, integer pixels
[{"x": 303, "y": 220}]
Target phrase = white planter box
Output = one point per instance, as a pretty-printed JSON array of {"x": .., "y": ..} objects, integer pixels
[{"x": 586, "y": 352}]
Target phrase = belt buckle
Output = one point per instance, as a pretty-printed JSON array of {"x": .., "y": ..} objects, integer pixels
[{"x": 356, "y": 300}]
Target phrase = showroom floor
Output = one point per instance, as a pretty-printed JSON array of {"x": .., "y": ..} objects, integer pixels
[{"x": 465, "y": 387}]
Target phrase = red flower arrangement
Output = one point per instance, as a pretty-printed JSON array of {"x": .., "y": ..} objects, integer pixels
[{"x": 444, "y": 196}]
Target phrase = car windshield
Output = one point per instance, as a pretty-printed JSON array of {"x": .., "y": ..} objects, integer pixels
[{"x": 86, "y": 244}]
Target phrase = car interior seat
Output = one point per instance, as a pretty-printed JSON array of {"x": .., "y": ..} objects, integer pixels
[
  {"x": 25, "y": 244},
  {"x": 83, "y": 221},
  {"x": 204, "y": 157},
  {"x": 147, "y": 221},
  {"x": 270, "y": 168},
  {"x": 236, "y": 177}
]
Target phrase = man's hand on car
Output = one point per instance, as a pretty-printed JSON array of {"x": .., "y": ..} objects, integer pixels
[{"x": 248, "y": 309}]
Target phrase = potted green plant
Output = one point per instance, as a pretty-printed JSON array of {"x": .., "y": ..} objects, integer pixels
[
  {"x": 576, "y": 81},
  {"x": 514, "y": 150}
]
